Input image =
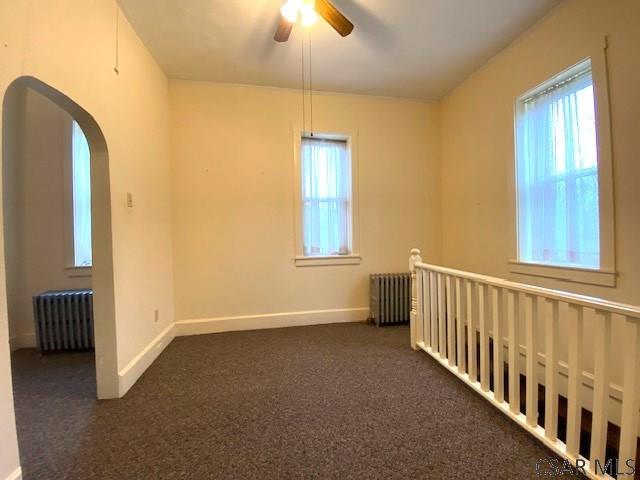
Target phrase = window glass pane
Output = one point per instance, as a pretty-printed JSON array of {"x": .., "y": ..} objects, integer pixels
[
  {"x": 557, "y": 175},
  {"x": 81, "y": 170},
  {"x": 326, "y": 197}
]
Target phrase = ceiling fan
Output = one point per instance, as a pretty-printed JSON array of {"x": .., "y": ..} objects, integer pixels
[{"x": 309, "y": 11}]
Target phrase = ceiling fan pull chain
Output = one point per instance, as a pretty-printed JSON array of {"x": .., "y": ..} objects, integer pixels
[
  {"x": 310, "y": 83},
  {"x": 304, "y": 120}
]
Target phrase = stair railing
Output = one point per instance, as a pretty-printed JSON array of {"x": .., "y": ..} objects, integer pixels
[{"x": 459, "y": 317}]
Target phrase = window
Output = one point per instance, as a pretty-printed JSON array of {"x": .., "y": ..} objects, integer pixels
[
  {"x": 326, "y": 200},
  {"x": 558, "y": 207},
  {"x": 326, "y": 197},
  {"x": 81, "y": 190}
]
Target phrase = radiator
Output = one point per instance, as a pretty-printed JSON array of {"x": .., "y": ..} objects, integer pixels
[
  {"x": 390, "y": 298},
  {"x": 64, "y": 320}
]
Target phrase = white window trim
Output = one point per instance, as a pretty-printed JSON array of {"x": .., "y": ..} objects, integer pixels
[
  {"x": 328, "y": 260},
  {"x": 70, "y": 270},
  {"x": 354, "y": 257},
  {"x": 74, "y": 272},
  {"x": 606, "y": 274},
  {"x": 603, "y": 277}
]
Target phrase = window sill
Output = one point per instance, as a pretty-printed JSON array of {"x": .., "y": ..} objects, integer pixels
[
  {"x": 77, "y": 271},
  {"x": 603, "y": 276},
  {"x": 328, "y": 261}
]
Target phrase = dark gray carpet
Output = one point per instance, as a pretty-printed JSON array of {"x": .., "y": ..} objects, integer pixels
[{"x": 332, "y": 401}]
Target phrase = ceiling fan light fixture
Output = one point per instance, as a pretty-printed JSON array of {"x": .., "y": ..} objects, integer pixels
[
  {"x": 308, "y": 14},
  {"x": 290, "y": 10}
]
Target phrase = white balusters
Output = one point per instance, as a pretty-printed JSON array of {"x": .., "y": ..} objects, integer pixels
[
  {"x": 574, "y": 410},
  {"x": 498, "y": 352},
  {"x": 484, "y": 318},
  {"x": 461, "y": 315},
  {"x": 419, "y": 308},
  {"x": 413, "y": 317},
  {"x": 447, "y": 301},
  {"x": 551, "y": 372},
  {"x": 631, "y": 395},
  {"x": 602, "y": 347},
  {"x": 531, "y": 336},
  {"x": 514, "y": 356},
  {"x": 426, "y": 308},
  {"x": 451, "y": 331},
  {"x": 472, "y": 321},
  {"x": 433, "y": 285},
  {"x": 442, "y": 339}
]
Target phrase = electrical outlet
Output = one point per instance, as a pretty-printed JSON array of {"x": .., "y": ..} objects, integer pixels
[{"x": 156, "y": 315}]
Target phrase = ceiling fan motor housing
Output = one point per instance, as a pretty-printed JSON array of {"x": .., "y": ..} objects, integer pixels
[{"x": 308, "y": 11}]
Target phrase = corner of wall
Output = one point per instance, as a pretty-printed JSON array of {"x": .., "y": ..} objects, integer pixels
[{"x": 130, "y": 374}]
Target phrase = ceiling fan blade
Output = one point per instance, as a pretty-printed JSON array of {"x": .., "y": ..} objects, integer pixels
[
  {"x": 283, "y": 31},
  {"x": 333, "y": 17}
]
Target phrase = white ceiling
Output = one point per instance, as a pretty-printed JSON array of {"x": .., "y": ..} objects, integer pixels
[{"x": 400, "y": 48}]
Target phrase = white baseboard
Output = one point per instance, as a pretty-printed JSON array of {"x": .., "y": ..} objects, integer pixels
[
  {"x": 15, "y": 475},
  {"x": 25, "y": 340},
  {"x": 271, "y": 320},
  {"x": 132, "y": 372},
  {"x": 128, "y": 376},
  {"x": 136, "y": 367},
  {"x": 587, "y": 384},
  {"x": 614, "y": 405},
  {"x": 615, "y": 390}
]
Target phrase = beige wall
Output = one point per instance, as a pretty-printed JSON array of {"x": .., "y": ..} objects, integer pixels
[
  {"x": 38, "y": 211},
  {"x": 69, "y": 45},
  {"x": 478, "y": 140},
  {"x": 477, "y": 145},
  {"x": 233, "y": 187}
]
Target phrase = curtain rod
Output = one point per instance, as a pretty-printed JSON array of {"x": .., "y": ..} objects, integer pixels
[{"x": 557, "y": 85}]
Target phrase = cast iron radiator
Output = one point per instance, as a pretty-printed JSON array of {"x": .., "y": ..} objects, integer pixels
[
  {"x": 390, "y": 298},
  {"x": 64, "y": 320}
]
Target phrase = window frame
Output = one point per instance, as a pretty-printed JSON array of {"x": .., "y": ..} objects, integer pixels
[
  {"x": 70, "y": 269},
  {"x": 606, "y": 274},
  {"x": 354, "y": 257}
]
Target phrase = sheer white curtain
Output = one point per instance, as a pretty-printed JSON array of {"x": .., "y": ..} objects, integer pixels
[
  {"x": 81, "y": 171},
  {"x": 326, "y": 197},
  {"x": 557, "y": 175}
]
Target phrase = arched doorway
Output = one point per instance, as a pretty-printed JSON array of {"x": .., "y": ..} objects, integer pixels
[{"x": 102, "y": 269}]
